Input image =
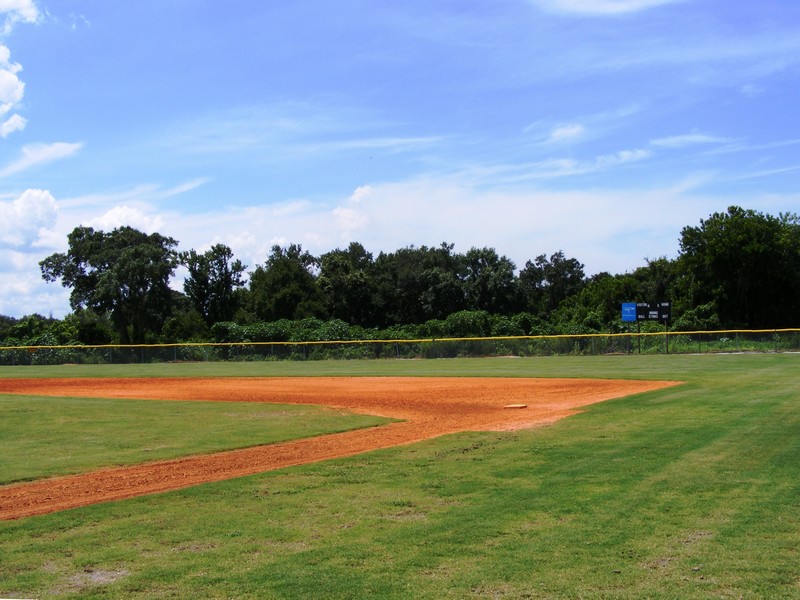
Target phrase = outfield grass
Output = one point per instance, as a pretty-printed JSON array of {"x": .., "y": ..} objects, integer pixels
[
  {"x": 45, "y": 436},
  {"x": 687, "y": 492}
]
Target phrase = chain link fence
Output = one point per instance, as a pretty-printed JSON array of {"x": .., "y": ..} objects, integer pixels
[{"x": 696, "y": 342}]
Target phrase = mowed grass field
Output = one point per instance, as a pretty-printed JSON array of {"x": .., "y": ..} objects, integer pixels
[{"x": 687, "y": 492}]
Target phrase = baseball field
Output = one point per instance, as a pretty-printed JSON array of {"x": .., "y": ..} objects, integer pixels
[{"x": 559, "y": 477}]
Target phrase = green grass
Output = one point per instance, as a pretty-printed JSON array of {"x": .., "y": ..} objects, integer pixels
[
  {"x": 688, "y": 492},
  {"x": 630, "y": 367},
  {"x": 45, "y": 436}
]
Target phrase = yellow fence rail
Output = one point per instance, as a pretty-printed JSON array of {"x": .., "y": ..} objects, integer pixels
[{"x": 734, "y": 340}]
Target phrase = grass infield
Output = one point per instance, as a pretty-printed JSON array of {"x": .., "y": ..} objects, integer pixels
[{"x": 688, "y": 492}]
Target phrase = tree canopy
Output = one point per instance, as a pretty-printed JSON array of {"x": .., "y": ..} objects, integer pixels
[
  {"x": 124, "y": 273},
  {"x": 747, "y": 264},
  {"x": 214, "y": 278},
  {"x": 738, "y": 268}
]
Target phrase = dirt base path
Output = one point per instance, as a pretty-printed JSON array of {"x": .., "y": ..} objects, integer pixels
[{"x": 428, "y": 407}]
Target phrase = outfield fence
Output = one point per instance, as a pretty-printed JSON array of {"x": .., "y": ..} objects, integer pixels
[{"x": 691, "y": 342}]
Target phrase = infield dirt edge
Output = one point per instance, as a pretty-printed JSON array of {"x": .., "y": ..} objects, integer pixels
[{"x": 426, "y": 406}]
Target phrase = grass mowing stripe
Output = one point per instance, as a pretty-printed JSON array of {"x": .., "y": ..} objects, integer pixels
[
  {"x": 688, "y": 492},
  {"x": 681, "y": 367},
  {"x": 44, "y": 436}
]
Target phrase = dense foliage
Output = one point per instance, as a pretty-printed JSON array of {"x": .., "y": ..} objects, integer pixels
[{"x": 736, "y": 269}]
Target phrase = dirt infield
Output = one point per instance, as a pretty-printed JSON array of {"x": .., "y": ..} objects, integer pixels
[{"x": 427, "y": 408}]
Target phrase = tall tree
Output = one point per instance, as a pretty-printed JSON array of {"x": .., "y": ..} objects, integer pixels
[
  {"x": 657, "y": 280},
  {"x": 346, "y": 280},
  {"x": 214, "y": 277},
  {"x": 489, "y": 281},
  {"x": 545, "y": 283},
  {"x": 124, "y": 273},
  {"x": 746, "y": 263},
  {"x": 285, "y": 286},
  {"x": 417, "y": 284}
]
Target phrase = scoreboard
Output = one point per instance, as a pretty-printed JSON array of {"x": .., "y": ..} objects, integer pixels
[{"x": 646, "y": 311}]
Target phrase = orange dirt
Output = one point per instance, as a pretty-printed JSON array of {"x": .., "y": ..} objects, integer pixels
[{"x": 428, "y": 407}]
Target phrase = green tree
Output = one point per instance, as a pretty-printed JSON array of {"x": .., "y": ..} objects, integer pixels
[
  {"x": 6, "y": 325},
  {"x": 489, "y": 281},
  {"x": 657, "y": 281},
  {"x": 92, "y": 329},
  {"x": 544, "y": 283},
  {"x": 346, "y": 280},
  {"x": 285, "y": 286},
  {"x": 747, "y": 264},
  {"x": 214, "y": 278},
  {"x": 415, "y": 285},
  {"x": 125, "y": 273}
]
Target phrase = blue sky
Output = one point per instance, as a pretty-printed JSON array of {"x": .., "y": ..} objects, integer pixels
[{"x": 596, "y": 127}]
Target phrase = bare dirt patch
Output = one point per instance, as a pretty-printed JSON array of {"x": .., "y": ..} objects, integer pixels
[{"x": 427, "y": 408}]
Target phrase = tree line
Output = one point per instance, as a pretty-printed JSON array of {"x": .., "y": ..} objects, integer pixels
[{"x": 736, "y": 269}]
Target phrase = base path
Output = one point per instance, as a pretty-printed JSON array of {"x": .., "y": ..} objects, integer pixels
[{"x": 427, "y": 408}]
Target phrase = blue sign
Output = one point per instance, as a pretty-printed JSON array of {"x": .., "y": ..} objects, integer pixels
[{"x": 629, "y": 312}]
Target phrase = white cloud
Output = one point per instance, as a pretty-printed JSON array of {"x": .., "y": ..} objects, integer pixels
[
  {"x": 350, "y": 221},
  {"x": 11, "y": 88},
  {"x": 751, "y": 90},
  {"x": 360, "y": 193},
  {"x": 622, "y": 157},
  {"x": 121, "y": 216},
  {"x": 599, "y": 7},
  {"x": 23, "y": 220},
  {"x": 567, "y": 132},
  {"x": 524, "y": 224},
  {"x": 36, "y": 154},
  {"x": 690, "y": 139},
  {"x": 520, "y": 224},
  {"x": 144, "y": 193},
  {"x": 18, "y": 11},
  {"x": 552, "y": 168},
  {"x": 12, "y": 124},
  {"x": 24, "y": 292}
]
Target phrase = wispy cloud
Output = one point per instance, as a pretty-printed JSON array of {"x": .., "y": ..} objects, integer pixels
[
  {"x": 549, "y": 169},
  {"x": 293, "y": 130},
  {"x": 689, "y": 139},
  {"x": 599, "y": 7},
  {"x": 567, "y": 132},
  {"x": 377, "y": 143},
  {"x": 765, "y": 173},
  {"x": 580, "y": 128},
  {"x": 38, "y": 154},
  {"x": 745, "y": 57},
  {"x": 247, "y": 128},
  {"x": 144, "y": 193}
]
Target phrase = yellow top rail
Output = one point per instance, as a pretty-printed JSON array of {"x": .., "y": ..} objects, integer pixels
[{"x": 402, "y": 341}]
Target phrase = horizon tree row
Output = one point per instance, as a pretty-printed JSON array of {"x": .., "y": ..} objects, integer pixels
[{"x": 739, "y": 268}]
